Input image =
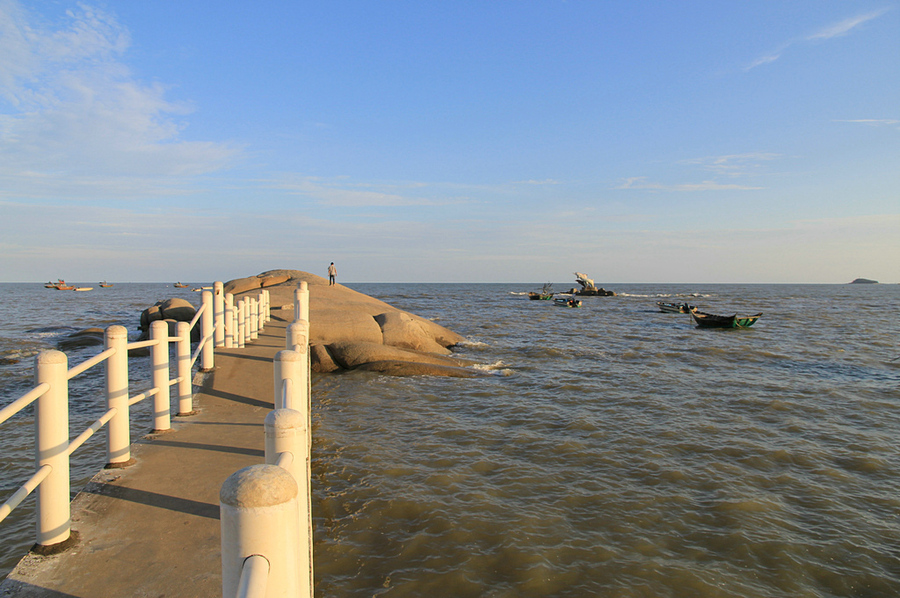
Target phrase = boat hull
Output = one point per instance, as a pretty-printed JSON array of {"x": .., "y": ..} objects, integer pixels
[
  {"x": 562, "y": 302},
  {"x": 675, "y": 308},
  {"x": 705, "y": 320}
]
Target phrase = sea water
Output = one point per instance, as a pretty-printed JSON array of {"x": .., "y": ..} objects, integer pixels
[{"x": 608, "y": 450}]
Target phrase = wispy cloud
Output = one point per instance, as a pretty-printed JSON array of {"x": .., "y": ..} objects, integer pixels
[
  {"x": 731, "y": 166},
  {"x": 643, "y": 183},
  {"x": 831, "y": 31},
  {"x": 339, "y": 192},
  {"x": 872, "y": 122},
  {"x": 534, "y": 182},
  {"x": 75, "y": 110},
  {"x": 734, "y": 164},
  {"x": 844, "y": 27}
]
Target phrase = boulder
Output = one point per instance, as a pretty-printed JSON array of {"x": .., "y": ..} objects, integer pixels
[
  {"x": 351, "y": 330},
  {"x": 242, "y": 285},
  {"x": 400, "y": 329},
  {"x": 321, "y": 360},
  {"x": 82, "y": 338},
  {"x": 172, "y": 310},
  {"x": 352, "y": 354},
  {"x": 271, "y": 281}
]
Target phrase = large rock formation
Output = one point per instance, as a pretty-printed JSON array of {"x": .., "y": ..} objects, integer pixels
[
  {"x": 350, "y": 330},
  {"x": 172, "y": 311}
]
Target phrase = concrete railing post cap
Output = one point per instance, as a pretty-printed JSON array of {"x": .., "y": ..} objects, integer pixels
[
  {"x": 52, "y": 356},
  {"x": 117, "y": 331},
  {"x": 290, "y": 355},
  {"x": 258, "y": 486},
  {"x": 285, "y": 418}
]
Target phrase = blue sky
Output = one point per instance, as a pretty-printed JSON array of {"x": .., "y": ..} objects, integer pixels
[{"x": 454, "y": 141}]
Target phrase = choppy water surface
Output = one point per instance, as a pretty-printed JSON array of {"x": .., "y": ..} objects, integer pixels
[
  {"x": 33, "y": 319},
  {"x": 614, "y": 450},
  {"x": 620, "y": 451}
]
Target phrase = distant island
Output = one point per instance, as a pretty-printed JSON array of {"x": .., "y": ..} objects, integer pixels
[{"x": 864, "y": 281}]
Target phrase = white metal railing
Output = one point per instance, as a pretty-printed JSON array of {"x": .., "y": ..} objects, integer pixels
[
  {"x": 265, "y": 510},
  {"x": 53, "y": 448}
]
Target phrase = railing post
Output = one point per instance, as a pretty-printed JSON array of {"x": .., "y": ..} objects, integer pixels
[
  {"x": 183, "y": 360},
  {"x": 241, "y": 327},
  {"x": 259, "y": 516},
  {"x": 219, "y": 313},
  {"x": 261, "y": 312},
  {"x": 297, "y": 335},
  {"x": 245, "y": 318},
  {"x": 287, "y": 430},
  {"x": 51, "y": 429},
  {"x": 268, "y": 305},
  {"x": 229, "y": 321},
  {"x": 118, "y": 432},
  {"x": 301, "y": 301},
  {"x": 289, "y": 365},
  {"x": 159, "y": 360},
  {"x": 254, "y": 318},
  {"x": 207, "y": 332}
]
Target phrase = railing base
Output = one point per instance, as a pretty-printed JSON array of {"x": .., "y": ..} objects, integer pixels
[
  {"x": 47, "y": 550},
  {"x": 121, "y": 464},
  {"x": 188, "y": 414}
]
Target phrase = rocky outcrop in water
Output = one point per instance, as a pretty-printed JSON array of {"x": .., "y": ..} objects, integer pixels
[
  {"x": 172, "y": 311},
  {"x": 864, "y": 281},
  {"x": 351, "y": 330}
]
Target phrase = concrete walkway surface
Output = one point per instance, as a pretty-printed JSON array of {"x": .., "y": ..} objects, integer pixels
[{"x": 152, "y": 529}]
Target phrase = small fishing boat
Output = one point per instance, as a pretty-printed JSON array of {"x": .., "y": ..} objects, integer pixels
[
  {"x": 82, "y": 289},
  {"x": 567, "y": 302},
  {"x": 545, "y": 295},
  {"x": 62, "y": 286},
  {"x": 675, "y": 308},
  {"x": 53, "y": 285},
  {"x": 705, "y": 320},
  {"x": 105, "y": 285},
  {"x": 180, "y": 285}
]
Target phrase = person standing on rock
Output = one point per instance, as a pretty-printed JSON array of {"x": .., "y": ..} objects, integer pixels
[{"x": 332, "y": 273}]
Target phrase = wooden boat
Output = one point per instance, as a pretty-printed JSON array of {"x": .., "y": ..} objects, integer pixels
[
  {"x": 567, "y": 302},
  {"x": 705, "y": 320},
  {"x": 105, "y": 285},
  {"x": 62, "y": 286},
  {"x": 545, "y": 295},
  {"x": 675, "y": 308},
  {"x": 180, "y": 285}
]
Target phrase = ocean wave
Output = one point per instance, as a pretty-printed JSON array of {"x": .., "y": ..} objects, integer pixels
[
  {"x": 497, "y": 368},
  {"x": 664, "y": 295},
  {"x": 470, "y": 344}
]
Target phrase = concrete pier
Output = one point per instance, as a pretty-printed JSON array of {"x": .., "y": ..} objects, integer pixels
[{"x": 153, "y": 529}]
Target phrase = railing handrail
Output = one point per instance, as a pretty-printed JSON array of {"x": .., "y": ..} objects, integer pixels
[
  {"x": 254, "y": 577},
  {"x": 24, "y": 490},
  {"x": 24, "y": 401},
  {"x": 89, "y": 363}
]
